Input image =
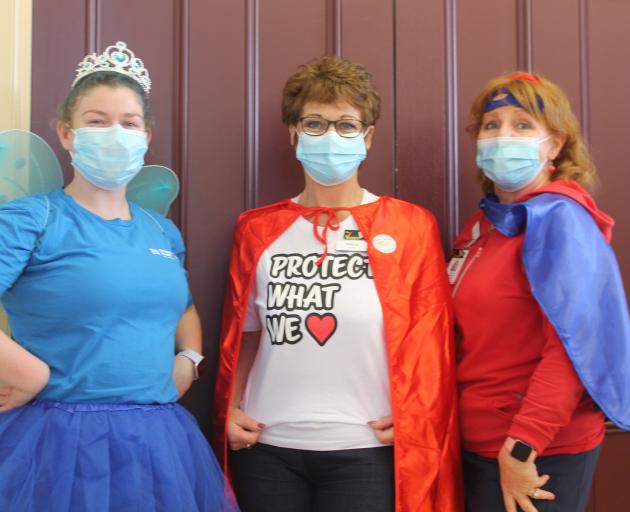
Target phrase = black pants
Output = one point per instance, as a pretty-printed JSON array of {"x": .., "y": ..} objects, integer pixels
[
  {"x": 571, "y": 477},
  {"x": 271, "y": 479}
]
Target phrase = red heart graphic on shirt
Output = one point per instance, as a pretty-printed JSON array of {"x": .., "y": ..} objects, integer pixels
[{"x": 321, "y": 327}]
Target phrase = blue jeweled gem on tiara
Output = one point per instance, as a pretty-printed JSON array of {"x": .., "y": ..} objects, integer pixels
[{"x": 117, "y": 58}]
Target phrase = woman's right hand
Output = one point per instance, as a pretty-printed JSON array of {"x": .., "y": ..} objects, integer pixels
[
  {"x": 243, "y": 431},
  {"x": 520, "y": 482}
]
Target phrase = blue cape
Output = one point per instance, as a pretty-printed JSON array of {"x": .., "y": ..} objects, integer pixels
[{"x": 574, "y": 277}]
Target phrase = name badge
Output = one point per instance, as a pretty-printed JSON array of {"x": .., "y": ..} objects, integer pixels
[
  {"x": 351, "y": 245},
  {"x": 352, "y": 234},
  {"x": 475, "y": 232},
  {"x": 456, "y": 264}
]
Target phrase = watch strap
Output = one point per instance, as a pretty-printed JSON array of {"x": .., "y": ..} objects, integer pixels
[{"x": 196, "y": 359}]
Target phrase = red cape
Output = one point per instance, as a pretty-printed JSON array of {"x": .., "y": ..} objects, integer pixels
[{"x": 413, "y": 289}]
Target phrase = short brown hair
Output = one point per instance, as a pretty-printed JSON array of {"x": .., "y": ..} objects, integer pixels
[
  {"x": 548, "y": 104},
  {"x": 328, "y": 79}
]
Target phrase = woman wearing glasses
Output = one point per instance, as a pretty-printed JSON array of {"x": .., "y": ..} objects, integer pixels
[{"x": 336, "y": 345}]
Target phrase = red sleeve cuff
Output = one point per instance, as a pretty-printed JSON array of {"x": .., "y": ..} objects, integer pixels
[{"x": 525, "y": 433}]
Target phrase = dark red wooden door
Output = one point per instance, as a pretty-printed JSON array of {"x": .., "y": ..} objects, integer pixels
[{"x": 218, "y": 67}]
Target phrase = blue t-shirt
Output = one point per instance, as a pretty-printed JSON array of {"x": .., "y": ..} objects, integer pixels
[{"x": 97, "y": 300}]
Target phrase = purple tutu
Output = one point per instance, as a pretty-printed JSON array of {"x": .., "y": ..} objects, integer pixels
[{"x": 58, "y": 457}]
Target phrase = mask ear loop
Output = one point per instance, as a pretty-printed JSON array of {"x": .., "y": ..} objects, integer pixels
[{"x": 550, "y": 168}]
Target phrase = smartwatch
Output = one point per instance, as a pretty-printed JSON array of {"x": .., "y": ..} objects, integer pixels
[
  {"x": 521, "y": 451},
  {"x": 197, "y": 359}
]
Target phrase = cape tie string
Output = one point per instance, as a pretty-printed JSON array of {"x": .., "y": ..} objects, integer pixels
[{"x": 332, "y": 222}]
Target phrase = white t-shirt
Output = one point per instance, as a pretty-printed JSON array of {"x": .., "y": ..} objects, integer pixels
[{"x": 321, "y": 372}]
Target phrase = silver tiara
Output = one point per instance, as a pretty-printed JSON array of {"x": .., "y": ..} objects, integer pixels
[{"x": 117, "y": 58}]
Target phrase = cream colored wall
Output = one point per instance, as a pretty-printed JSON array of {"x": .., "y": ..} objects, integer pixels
[
  {"x": 15, "y": 55},
  {"x": 15, "y": 78}
]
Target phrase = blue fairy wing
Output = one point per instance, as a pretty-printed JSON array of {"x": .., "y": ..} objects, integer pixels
[
  {"x": 155, "y": 187},
  {"x": 28, "y": 166}
]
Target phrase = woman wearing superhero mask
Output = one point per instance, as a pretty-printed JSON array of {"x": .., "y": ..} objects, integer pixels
[{"x": 543, "y": 333}]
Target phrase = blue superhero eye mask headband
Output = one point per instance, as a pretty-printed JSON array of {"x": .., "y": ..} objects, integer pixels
[{"x": 504, "y": 97}]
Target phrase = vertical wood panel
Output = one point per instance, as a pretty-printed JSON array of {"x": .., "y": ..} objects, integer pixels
[
  {"x": 289, "y": 36},
  {"x": 610, "y": 487},
  {"x": 422, "y": 97},
  {"x": 558, "y": 58},
  {"x": 92, "y": 11},
  {"x": 217, "y": 166},
  {"x": 158, "y": 48},
  {"x": 524, "y": 35},
  {"x": 487, "y": 47},
  {"x": 583, "y": 80},
  {"x": 252, "y": 120},
  {"x": 56, "y": 54},
  {"x": 452, "y": 122},
  {"x": 179, "y": 212},
  {"x": 609, "y": 86},
  {"x": 333, "y": 27},
  {"x": 366, "y": 26}
]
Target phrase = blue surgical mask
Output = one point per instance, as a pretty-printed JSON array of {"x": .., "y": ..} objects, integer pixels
[
  {"x": 330, "y": 159},
  {"x": 510, "y": 162},
  {"x": 109, "y": 157}
]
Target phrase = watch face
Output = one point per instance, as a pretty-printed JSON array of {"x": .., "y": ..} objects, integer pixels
[{"x": 521, "y": 451}]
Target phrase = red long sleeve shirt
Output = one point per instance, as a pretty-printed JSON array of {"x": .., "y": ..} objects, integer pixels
[{"x": 514, "y": 375}]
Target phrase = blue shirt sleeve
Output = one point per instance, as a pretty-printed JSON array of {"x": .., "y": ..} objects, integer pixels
[
  {"x": 175, "y": 238},
  {"x": 21, "y": 224},
  {"x": 177, "y": 246}
]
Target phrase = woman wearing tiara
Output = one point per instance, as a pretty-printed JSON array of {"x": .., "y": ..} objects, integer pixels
[{"x": 98, "y": 302}]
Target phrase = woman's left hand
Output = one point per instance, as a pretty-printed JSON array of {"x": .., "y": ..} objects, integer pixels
[
  {"x": 520, "y": 482},
  {"x": 183, "y": 374},
  {"x": 384, "y": 429},
  {"x": 11, "y": 397}
]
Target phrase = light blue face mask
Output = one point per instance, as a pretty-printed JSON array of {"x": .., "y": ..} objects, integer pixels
[
  {"x": 330, "y": 159},
  {"x": 109, "y": 157},
  {"x": 510, "y": 162}
]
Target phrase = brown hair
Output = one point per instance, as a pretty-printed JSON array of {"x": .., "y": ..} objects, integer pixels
[
  {"x": 548, "y": 104},
  {"x": 328, "y": 79},
  {"x": 110, "y": 79}
]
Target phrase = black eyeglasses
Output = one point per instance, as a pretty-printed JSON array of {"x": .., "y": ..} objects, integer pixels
[{"x": 348, "y": 127}]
